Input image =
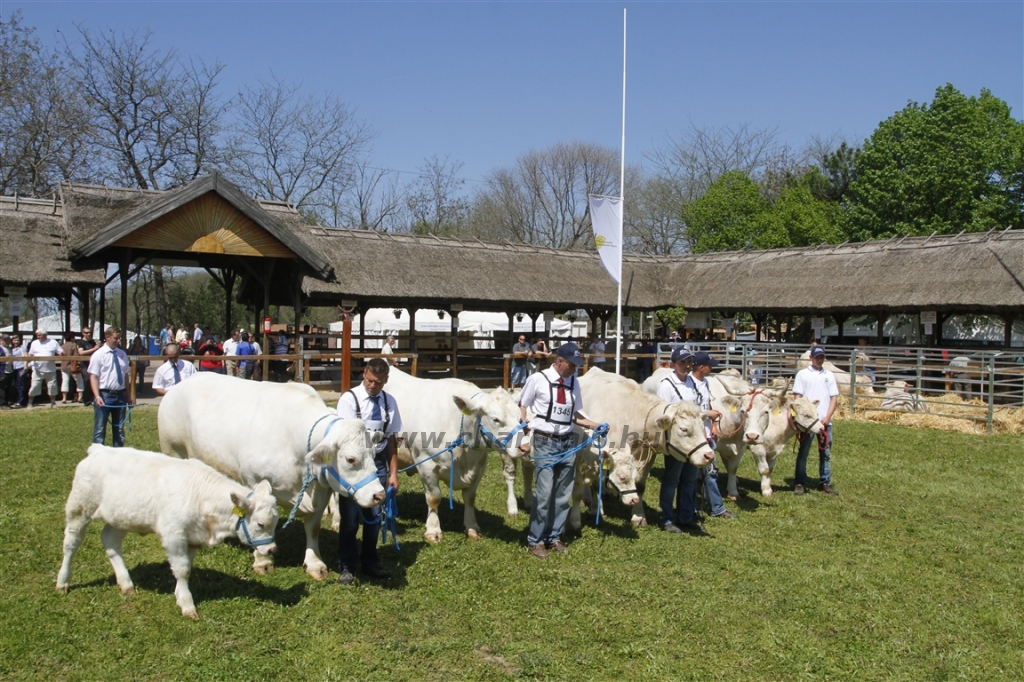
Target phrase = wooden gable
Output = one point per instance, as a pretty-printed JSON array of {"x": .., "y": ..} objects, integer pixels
[{"x": 207, "y": 224}]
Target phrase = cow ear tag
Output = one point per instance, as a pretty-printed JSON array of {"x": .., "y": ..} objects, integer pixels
[
  {"x": 466, "y": 411},
  {"x": 606, "y": 465},
  {"x": 732, "y": 408},
  {"x": 237, "y": 511},
  {"x": 776, "y": 411}
]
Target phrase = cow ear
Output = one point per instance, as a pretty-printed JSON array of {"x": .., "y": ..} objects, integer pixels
[
  {"x": 732, "y": 402},
  {"x": 321, "y": 455},
  {"x": 264, "y": 488},
  {"x": 467, "y": 406},
  {"x": 816, "y": 403},
  {"x": 241, "y": 505},
  {"x": 663, "y": 422}
]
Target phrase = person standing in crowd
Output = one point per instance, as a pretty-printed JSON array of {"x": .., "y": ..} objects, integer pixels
[
  {"x": 520, "y": 357},
  {"x": 71, "y": 369},
  {"x": 181, "y": 334},
  {"x": 166, "y": 335},
  {"x": 86, "y": 347},
  {"x": 197, "y": 335},
  {"x": 379, "y": 412},
  {"x": 6, "y": 370},
  {"x": 538, "y": 350},
  {"x": 230, "y": 347},
  {"x": 245, "y": 367},
  {"x": 140, "y": 365},
  {"x": 22, "y": 371},
  {"x": 44, "y": 371},
  {"x": 210, "y": 349},
  {"x": 818, "y": 385},
  {"x": 596, "y": 348},
  {"x": 108, "y": 375},
  {"x": 671, "y": 391},
  {"x": 173, "y": 371},
  {"x": 279, "y": 368},
  {"x": 554, "y": 397}
]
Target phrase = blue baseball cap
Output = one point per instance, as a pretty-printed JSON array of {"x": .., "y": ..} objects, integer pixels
[
  {"x": 681, "y": 354},
  {"x": 571, "y": 352},
  {"x": 704, "y": 358},
  {"x": 817, "y": 351}
]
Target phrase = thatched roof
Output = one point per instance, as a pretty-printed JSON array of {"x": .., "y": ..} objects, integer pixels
[
  {"x": 962, "y": 273},
  {"x": 33, "y": 251}
]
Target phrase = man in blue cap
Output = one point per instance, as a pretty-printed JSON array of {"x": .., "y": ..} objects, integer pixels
[
  {"x": 818, "y": 385},
  {"x": 554, "y": 397}
]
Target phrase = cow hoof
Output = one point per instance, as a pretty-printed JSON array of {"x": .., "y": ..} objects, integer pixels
[
  {"x": 513, "y": 514},
  {"x": 128, "y": 591},
  {"x": 335, "y": 527},
  {"x": 63, "y": 589},
  {"x": 767, "y": 494},
  {"x": 263, "y": 569},
  {"x": 433, "y": 538},
  {"x": 638, "y": 522},
  {"x": 317, "y": 572},
  {"x": 472, "y": 534},
  {"x": 191, "y": 613}
]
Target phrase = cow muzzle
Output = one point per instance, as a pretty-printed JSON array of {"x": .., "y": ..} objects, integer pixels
[{"x": 752, "y": 437}]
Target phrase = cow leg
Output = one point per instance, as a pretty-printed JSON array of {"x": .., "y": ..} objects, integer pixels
[
  {"x": 315, "y": 566},
  {"x": 432, "y": 491},
  {"x": 732, "y": 460},
  {"x": 113, "y": 539},
  {"x": 575, "y": 519},
  {"x": 74, "y": 533},
  {"x": 334, "y": 509},
  {"x": 508, "y": 471},
  {"x": 639, "y": 518},
  {"x": 766, "y": 481},
  {"x": 181, "y": 556},
  {"x": 761, "y": 457},
  {"x": 469, "y": 501}
]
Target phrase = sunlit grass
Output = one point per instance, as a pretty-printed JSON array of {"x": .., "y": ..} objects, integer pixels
[{"x": 914, "y": 573}]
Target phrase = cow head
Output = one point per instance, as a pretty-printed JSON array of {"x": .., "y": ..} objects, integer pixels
[
  {"x": 498, "y": 413},
  {"x": 684, "y": 423},
  {"x": 621, "y": 467},
  {"x": 345, "y": 450},
  {"x": 804, "y": 415},
  {"x": 258, "y": 514}
]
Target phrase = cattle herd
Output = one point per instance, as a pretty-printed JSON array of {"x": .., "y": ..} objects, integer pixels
[{"x": 233, "y": 451}]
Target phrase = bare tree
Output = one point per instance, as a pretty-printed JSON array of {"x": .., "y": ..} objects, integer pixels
[
  {"x": 374, "y": 201},
  {"x": 292, "y": 147},
  {"x": 44, "y": 123},
  {"x": 543, "y": 198},
  {"x": 435, "y": 202},
  {"x": 155, "y": 119},
  {"x": 652, "y": 222}
]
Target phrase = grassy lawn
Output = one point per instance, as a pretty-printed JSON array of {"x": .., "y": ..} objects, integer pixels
[{"x": 915, "y": 573}]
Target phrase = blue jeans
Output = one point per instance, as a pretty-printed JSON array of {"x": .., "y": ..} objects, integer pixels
[
  {"x": 116, "y": 416},
  {"x": 552, "y": 491},
  {"x": 352, "y": 515},
  {"x": 679, "y": 484},
  {"x": 824, "y": 459},
  {"x": 519, "y": 374},
  {"x": 711, "y": 492}
]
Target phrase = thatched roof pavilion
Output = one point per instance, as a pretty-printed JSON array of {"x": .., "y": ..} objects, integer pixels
[{"x": 53, "y": 246}]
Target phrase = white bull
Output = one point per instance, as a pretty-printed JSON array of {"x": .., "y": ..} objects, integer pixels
[
  {"x": 646, "y": 425},
  {"x": 787, "y": 417},
  {"x": 250, "y": 431},
  {"x": 186, "y": 503},
  {"x": 436, "y": 412}
]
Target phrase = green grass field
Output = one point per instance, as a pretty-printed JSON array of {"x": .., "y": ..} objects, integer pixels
[{"x": 915, "y": 573}]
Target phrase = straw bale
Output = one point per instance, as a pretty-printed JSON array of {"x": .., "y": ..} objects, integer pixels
[{"x": 955, "y": 414}]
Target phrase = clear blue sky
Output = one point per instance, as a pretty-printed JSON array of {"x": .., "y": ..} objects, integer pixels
[{"x": 485, "y": 82}]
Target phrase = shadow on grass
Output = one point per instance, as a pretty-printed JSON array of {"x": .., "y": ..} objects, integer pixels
[{"x": 205, "y": 585}]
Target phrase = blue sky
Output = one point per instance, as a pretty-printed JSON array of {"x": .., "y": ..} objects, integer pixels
[{"x": 484, "y": 82}]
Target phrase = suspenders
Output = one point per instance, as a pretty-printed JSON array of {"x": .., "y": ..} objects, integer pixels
[
  {"x": 359, "y": 412},
  {"x": 674, "y": 387},
  {"x": 553, "y": 386}
]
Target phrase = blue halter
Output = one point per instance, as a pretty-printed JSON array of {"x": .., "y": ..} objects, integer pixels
[
  {"x": 500, "y": 443},
  {"x": 245, "y": 531}
]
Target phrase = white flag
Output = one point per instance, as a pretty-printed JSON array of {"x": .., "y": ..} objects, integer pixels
[{"x": 606, "y": 217}]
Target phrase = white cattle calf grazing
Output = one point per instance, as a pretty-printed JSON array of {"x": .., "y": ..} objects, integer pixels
[{"x": 185, "y": 502}]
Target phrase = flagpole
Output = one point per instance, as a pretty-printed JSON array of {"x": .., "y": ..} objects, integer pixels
[{"x": 622, "y": 203}]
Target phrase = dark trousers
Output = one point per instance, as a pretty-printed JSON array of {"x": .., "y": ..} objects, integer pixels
[
  {"x": 21, "y": 382},
  {"x": 116, "y": 417},
  {"x": 5, "y": 386},
  {"x": 352, "y": 516}
]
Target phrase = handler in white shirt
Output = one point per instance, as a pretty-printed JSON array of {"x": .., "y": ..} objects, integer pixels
[
  {"x": 818, "y": 385},
  {"x": 379, "y": 412},
  {"x": 108, "y": 376},
  {"x": 173, "y": 371},
  {"x": 43, "y": 371}
]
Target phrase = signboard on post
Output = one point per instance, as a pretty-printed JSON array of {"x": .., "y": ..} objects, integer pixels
[
  {"x": 929, "y": 318},
  {"x": 817, "y": 324},
  {"x": 16, "y": 303},
  {"x": 696, "y": 320},
  {"x": 20, "y": 292}
]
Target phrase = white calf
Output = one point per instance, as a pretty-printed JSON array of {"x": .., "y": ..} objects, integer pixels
[{"x": 185, "y": 502}]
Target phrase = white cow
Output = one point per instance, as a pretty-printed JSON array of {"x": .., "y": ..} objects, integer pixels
[
  {"x": 436, "y": 412},
  {"x": 250, "y": 430},
  {"x": 186, "y": 503},
  {"x": 787, "y": 417},
  {"x": 744, "y": 409},
  {"x": 645, "y": 424}
]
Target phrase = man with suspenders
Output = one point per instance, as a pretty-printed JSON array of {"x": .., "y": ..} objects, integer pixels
[
  {"x": 379, "y": 412},
  {"x": 554, "y": 397},
  {"x": 693, "y": 387}
]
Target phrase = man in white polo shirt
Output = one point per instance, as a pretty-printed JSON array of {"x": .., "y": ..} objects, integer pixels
[
  {"x": 108, "y": 376},
  {"x": 173, "y": 371},
  {"x": 554, "y": 397},
  {"x": 379, "y": 412},
  {"x": 43, "y": 371},
  {"x": 818, "y": 385}
]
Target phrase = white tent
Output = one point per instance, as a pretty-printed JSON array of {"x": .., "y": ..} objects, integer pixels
[
  {"x": 54, "y": 326},
  {"x": 382, "y": 321}
]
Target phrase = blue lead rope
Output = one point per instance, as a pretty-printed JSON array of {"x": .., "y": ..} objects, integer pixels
[
  {"x": 308, "y": 477},
  {"x": 598, "y": 437},
  {"x": 390, "y": 513}
]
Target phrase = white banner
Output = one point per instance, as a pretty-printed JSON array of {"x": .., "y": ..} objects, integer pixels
[
  {"x": 929, "y": 317},
  {"x": 606, "y": 217},
  {"x": 16, "y": 302}
]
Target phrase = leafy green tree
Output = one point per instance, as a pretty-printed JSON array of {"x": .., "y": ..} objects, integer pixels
[
  {"x": 798, "y": 219},
  {"x": 672, "y": 318},
  {"x": 956, "y": 164},
  {"x": 727, "y": 216}
]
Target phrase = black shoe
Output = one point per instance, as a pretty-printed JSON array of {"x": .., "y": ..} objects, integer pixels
[
  {"x": 671, "y": 528},
  {"x": 725, "y": 515},
  {"x": 346, "y": 578},
  {"x": 694, "y": 528},
  {"x": 798, "y": 489},
  {"x": 829, "y": 490},
  {"x": 376, "y": 573}
]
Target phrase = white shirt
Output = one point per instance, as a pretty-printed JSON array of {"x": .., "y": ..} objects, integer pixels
[
  {"x": 230, "y": 346},
  {"x": 698, "y": 391},
  {"x": 817, "y": 385},
  {"x": 540, "y": 397},
  {"x": 671, "y": 388},
  {"x": 392, "y": 419},
  {"x": 101, "y": 363},
  {"x": 164, "y": 377},
  {"x": 197, "y": 335},
  {"x": 49, "y": 347}
]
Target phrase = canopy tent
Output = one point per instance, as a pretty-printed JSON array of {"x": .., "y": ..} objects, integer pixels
[{"x": 53, "y": 325}]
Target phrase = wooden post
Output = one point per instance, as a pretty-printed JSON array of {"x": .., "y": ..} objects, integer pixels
[
  {"x": 840, "y": 323},
  {"x": 880, "y": 332},
  {"x": 346, "y": 352},
  {"x": 123, "y": 272},
  {"x": 506, "y": 381},
  {"x": 455, "y": 344},
  {"x": 413, "y": 365},
  {"x": 1007, "y": 331},
  {"x": 131, "y": 379}
]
